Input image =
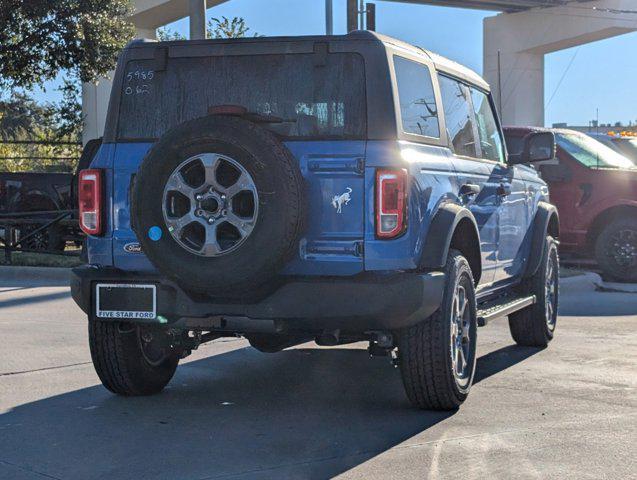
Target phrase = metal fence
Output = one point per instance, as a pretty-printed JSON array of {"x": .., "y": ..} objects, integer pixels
[
  {"x": 48, "y": 163},
  {"x": 17, "y": 228},
  {"x": 13, "y": 223}
]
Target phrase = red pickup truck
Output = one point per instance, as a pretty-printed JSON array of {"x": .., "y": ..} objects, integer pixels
[{"x": 595, "y": 190}]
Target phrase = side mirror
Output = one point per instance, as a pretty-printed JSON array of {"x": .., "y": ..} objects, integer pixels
[{"x": 537, "y": 147}]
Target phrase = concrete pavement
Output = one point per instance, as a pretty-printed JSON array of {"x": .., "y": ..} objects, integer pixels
[{"x": 569, "y": 411}]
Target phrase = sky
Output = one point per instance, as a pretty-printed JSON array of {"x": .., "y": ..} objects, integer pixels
[{"x": 600, "y": 75}]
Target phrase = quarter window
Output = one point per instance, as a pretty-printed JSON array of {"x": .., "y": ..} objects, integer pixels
[
  {"x": 416, "y": 96},
  {"x": 490, "y": 139},
  {"x": 459, "y": 118}
]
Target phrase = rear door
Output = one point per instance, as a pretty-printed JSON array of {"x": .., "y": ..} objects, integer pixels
[
  {"x": 335, "y": 187},
  {"x": 313, "y": 100}
]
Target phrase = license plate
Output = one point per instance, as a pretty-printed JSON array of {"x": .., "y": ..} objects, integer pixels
[{"x": 120, "y": 300}]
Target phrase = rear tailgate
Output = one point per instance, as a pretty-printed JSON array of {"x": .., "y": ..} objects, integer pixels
[
  {"x": 126, "y": 252},
  {"x": 333, "y": 238},
  {"x": 333, "y": 242}
]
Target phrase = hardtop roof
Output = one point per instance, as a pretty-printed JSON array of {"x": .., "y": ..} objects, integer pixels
[{"x": 441, "y": 63}]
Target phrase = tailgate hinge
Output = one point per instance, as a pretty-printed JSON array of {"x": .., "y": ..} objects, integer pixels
[{"x": 360, "y": 165}]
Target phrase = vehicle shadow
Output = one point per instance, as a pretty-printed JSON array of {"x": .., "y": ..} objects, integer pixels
[
  {"x": 501, "y": 359},
  {"x": 302, "y": 413},
  {"x": 35, "y": 298}
]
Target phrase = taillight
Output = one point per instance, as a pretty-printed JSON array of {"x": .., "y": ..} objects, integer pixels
[
  {"x": 391, "y": 203},
  {"x": 90, "y": 199}
]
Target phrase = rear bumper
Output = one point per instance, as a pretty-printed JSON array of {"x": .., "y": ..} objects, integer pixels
[{"x": 355, "y": 304}]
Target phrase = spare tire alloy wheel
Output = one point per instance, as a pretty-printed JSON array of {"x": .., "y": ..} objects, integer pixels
[
  {"x": 210, "y": 204},
  {"x": 218, "y": 206}
]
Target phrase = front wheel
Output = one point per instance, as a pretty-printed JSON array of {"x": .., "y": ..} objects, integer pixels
[
  {"x": 534, "y": 325},
  {"x": 438, "y": 356},
  {"x": 132, "y": 360}
]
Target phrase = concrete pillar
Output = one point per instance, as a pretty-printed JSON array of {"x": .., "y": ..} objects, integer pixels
[
  {"x": 95, "y": 97},
  {"x": 522, "y": 89},
  {"x": 197, "y": 13},
  {"x": 523, "y": 38},
  {"x": 94, "y": 107}
]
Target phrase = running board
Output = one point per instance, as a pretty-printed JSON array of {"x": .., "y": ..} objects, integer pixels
[{"x": 502, "y": 307}]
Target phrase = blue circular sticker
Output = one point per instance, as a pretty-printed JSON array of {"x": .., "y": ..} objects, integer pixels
[{"x": 154, "y": 233}]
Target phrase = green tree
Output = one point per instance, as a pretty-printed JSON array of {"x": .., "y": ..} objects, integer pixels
[
  {"x": 41, "y": 38},
  {"x": 216, "y": 28},
  {"x": 165, "y": 34},
  {"x": 20, "y": 115},
  {"x": 227, "y": 28},
  {"x": 22, "y": 118}
]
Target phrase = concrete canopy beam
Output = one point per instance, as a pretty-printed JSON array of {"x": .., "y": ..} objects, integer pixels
[
  {"x": 523, "y": 38},
  {"x": 156, "y": 13}
]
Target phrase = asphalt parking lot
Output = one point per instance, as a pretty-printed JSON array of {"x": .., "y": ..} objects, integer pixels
[{"x": 569, "y": 411}]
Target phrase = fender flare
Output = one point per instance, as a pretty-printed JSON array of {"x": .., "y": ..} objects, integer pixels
[
  {"x": 546, "y": 221},
  {"x": 440, "y": 234}
]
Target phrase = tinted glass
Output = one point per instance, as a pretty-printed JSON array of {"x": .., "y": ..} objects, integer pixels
[
  {"x": 311, "y": 97},
  {"x": 514, "y": 144},
  {"x": 490, "y": 139},
  {"x": 416, "y": 96},
  {"x": 590, "y": 152},
  {"x": 456, "y": 104},
  {"x": 628, "y": 148}
]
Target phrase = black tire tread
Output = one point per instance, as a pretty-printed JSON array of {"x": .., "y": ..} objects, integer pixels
[
  {"x": 112, "y": 361},
  {"x": 423, "y": 354},
  {"x": 528, "y": 326}
]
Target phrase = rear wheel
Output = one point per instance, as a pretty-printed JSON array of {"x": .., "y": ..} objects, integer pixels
[
  {"x": 132, "y": 360},
  {"x": 616, "y": 250},
  {"x": 534, "y": 325},
  {"x": 438, "y": 356}
]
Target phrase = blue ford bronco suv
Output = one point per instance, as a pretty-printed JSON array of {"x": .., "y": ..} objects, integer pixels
[{"x": 336, "y": 189}]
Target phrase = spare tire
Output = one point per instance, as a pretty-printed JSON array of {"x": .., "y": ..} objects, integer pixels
[{"x": 218, "y": 205}]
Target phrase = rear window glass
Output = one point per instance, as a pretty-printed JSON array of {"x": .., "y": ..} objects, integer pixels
[
  {"x": 416, "y": 96},
  {"x": 314, "y": 96}
]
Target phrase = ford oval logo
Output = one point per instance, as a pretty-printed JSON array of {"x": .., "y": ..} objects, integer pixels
[{"x": 133, "y": 247}]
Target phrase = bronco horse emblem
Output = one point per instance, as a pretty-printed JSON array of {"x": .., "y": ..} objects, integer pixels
[{"x": 343, "y": 199}]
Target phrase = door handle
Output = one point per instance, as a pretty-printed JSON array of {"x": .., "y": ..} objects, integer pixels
[
  {"x": 469, "y": 189},
  {"x": 503, "y": 190}
]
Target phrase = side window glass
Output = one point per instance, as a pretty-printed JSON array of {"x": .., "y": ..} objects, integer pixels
[
  {"x": 416, "y": 96},
  {"x": 490, "y": 139},
  {"x": 458, "y": 116}
]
